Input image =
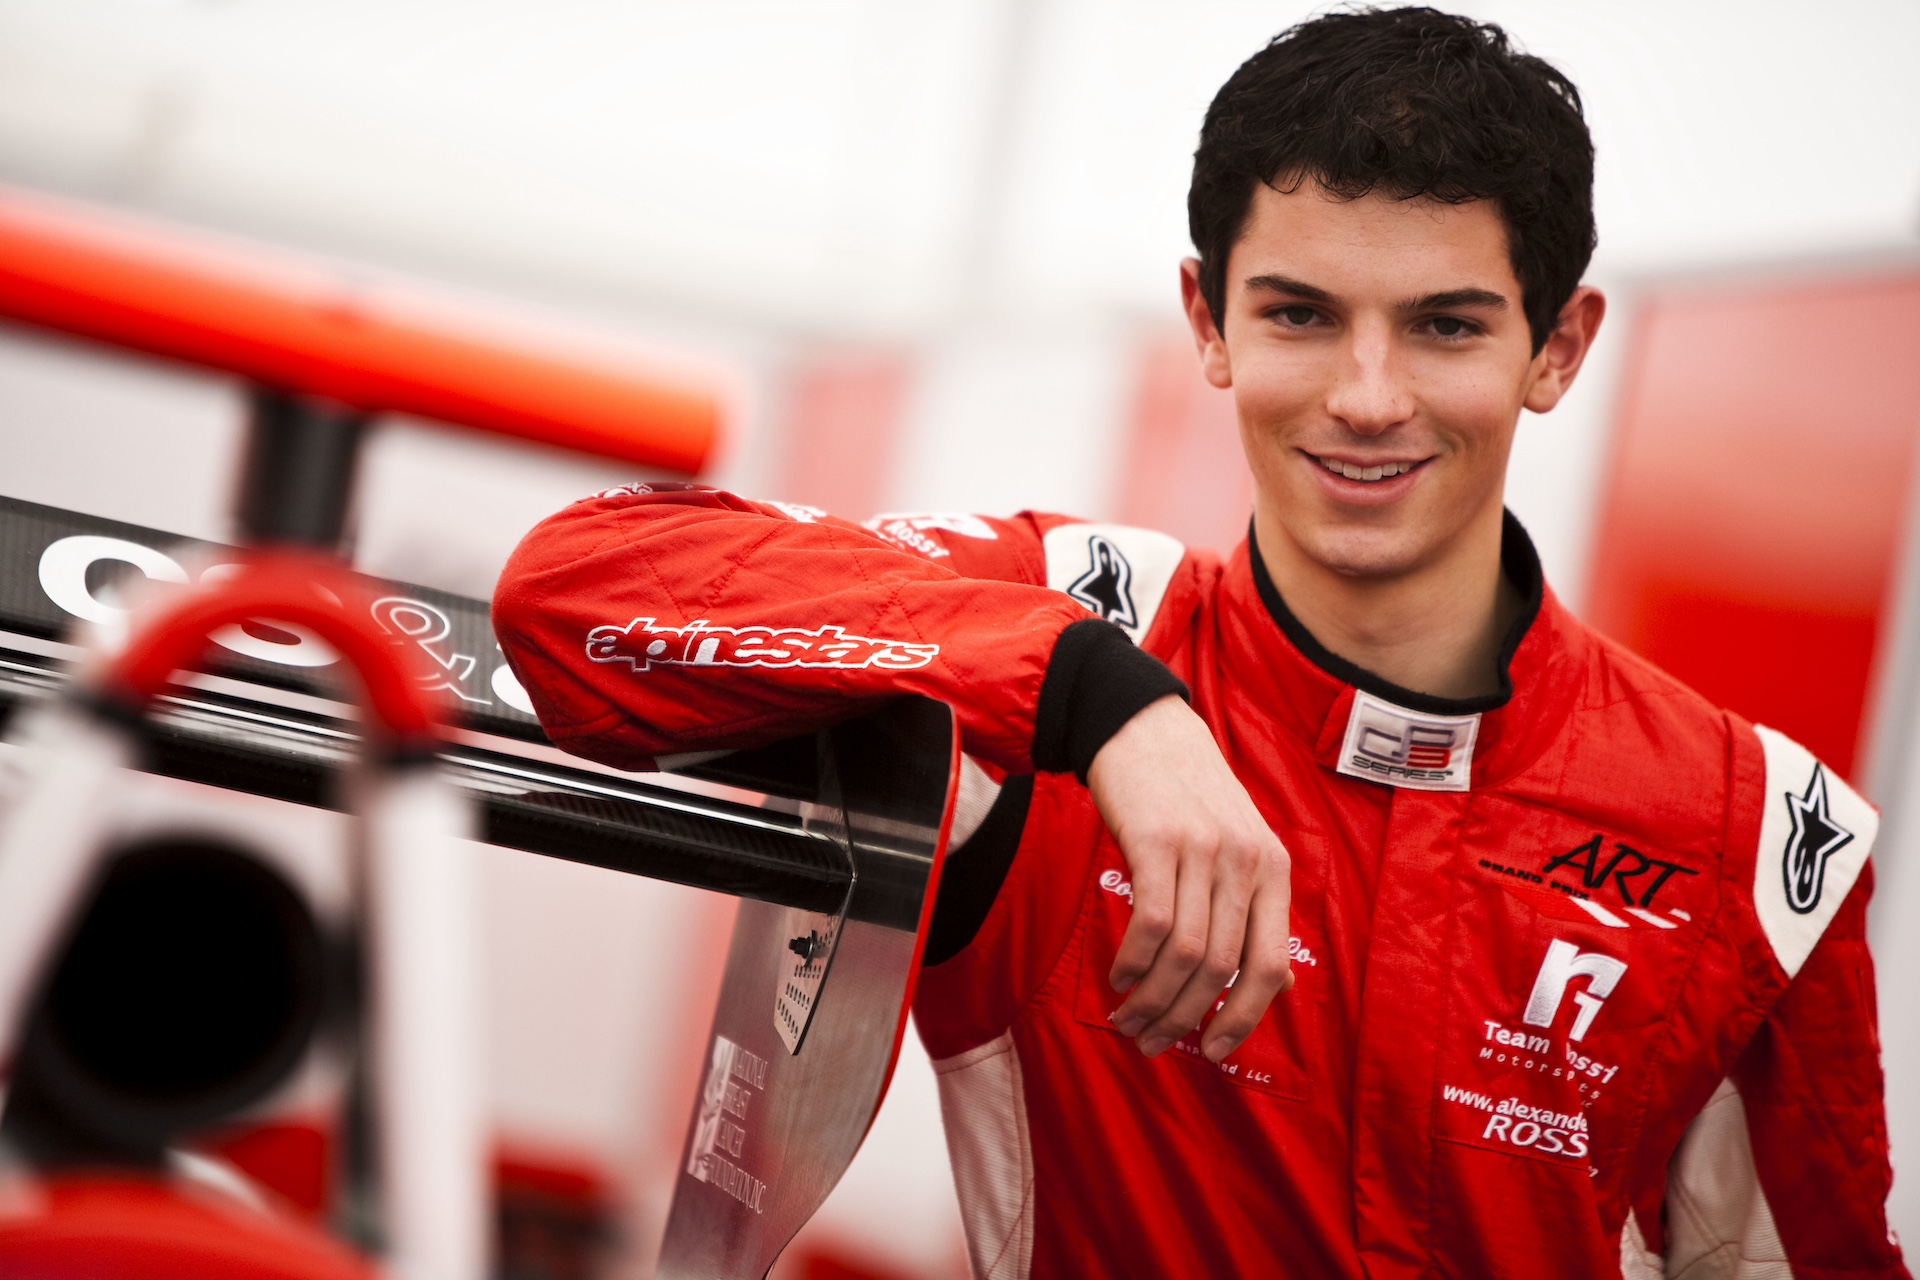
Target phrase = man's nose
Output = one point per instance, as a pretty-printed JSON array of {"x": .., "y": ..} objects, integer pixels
[{"x": 1370, "y": 394}]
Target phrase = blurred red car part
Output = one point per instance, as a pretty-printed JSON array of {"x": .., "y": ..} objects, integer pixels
[
  {"x": 297, "y": 325},
  {"x": 80, "y": 1228},
  {"x": 1749, "y": 537}
]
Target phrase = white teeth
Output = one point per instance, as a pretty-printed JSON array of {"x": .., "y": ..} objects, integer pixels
[{"x": 1353, "y": 471}]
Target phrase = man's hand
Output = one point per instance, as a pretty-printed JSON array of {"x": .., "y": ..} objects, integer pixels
[{"x": 1210, "y": 884}]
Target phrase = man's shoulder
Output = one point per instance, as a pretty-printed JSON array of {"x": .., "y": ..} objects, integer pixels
[
  {"x": 1121, "y": 573},
  {"x": 1634, "y": 751},
  {"x": 1792, "y": 835},
  {"x": 1617, "y": 676}
]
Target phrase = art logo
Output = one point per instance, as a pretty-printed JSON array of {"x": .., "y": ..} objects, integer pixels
[
  {"x": 1815, "y": 838},
  {"x": 642, "y": 645},
  {"x": 1563, "y": 964},
  {"x": 1391, "y": 744},
  {"x": 1626, "y": 868}
]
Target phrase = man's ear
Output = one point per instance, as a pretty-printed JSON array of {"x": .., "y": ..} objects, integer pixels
[
  {"x": 1206, "y": 334},
  {"x": 1566, "y": 348}
]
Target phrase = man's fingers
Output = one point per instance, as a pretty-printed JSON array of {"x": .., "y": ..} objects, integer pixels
[
  {"x": 1181, "y": 952},
  {"x": 1227, "y": 929},
  {"x": 1153, "y": 872},
  {"x": 1264, "y": 973}
]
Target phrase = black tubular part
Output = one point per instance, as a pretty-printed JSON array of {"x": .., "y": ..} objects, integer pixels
[
  {"x": 789, "y": 868},
  {"x": 29, "y": 529},
  {"x": 975, "y": 871},
  {"x": 599, "y": 820},
  {"x": 1096, "y": 681},
  {"x": 893, "y": 789},
  {"x": 788, "y": 768},
  {"x": 296, "y": 480},
  {"x": 192, "y": 985}
]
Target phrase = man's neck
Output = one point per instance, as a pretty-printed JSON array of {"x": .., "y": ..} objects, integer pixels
[{"x": 1435, "y": 630}]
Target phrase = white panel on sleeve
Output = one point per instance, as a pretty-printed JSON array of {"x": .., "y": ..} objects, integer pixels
[
  {"x": 974, "y": 801},
  {"x": 1815, "y": 834},
  {"x": 1113, "y": 571},
  {"x": 984, "y": 1106},
  {"x": 1718, "y": 1221},
  {"x": 1636, "y": 1261}
]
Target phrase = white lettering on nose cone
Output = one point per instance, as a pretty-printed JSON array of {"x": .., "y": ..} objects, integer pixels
[
  {"x": 1564, "y": 963},
  {"x": 64, "y": 565}
]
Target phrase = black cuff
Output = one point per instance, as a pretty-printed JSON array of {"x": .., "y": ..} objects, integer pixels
[
  {"x": 1096, "y": 682},
  {"x": 974, "y": 872}
]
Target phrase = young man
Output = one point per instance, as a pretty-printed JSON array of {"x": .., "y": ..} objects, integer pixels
[{"x": 1508, "y": 955}]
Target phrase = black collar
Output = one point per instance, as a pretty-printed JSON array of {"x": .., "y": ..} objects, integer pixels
[{"x": 1521, "y": 564}]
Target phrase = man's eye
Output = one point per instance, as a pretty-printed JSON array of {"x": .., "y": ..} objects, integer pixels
[
  {"x": 1450, "y": 327},
  {"x": 1296, "y": 317}
]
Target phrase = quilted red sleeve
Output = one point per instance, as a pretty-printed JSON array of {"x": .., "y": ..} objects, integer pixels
[
  {"x": 659, "y": 619},
  {"x": 1811, "y": 1084}
]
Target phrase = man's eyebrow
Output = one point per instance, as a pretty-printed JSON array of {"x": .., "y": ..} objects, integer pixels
[
  {"x": 1452, "y": 298},
  {"x": 1289, "y": 286}
]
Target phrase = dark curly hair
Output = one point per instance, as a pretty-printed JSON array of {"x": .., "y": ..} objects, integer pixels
[{"x": 1410, "y": 103}]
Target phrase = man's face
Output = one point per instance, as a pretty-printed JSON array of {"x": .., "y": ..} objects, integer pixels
[{"x": 1379, "y": 359}]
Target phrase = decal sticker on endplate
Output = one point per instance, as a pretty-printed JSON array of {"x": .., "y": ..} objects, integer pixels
[
  {"x": 735, "y": 1079},
  {"x": 812, "y": 937}
]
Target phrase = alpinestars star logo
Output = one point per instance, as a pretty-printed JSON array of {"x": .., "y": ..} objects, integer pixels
[
  {"x": 1815, "y": 838},
  {"x": 642, "y": 645},
  {"x": 1106, "y": 587}
]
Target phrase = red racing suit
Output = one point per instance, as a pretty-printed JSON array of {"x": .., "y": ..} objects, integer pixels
[{"x": 1582, "y": 986}]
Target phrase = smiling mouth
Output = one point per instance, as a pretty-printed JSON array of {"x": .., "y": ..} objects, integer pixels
[{"x": 1374, "y": 471}]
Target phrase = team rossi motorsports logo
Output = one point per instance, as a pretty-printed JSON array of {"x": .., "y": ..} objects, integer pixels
[{"x": 642, "y": 644}]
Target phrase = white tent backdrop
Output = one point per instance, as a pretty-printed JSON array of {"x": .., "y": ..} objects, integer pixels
[{"x": 996, "y": 187}]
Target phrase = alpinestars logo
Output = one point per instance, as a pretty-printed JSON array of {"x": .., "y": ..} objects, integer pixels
[
  {"x": 1106, "y": 588},
  {"x": 1815, "y": 838},
  {"x": 642, "y": 645},
  {"x": 1564, "y": 963}
]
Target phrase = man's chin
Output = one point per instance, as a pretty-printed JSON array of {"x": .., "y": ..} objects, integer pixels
[{"x": 1364, "y": 553}]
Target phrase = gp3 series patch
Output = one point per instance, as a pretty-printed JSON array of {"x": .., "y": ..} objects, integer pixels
[
  {"x": 1403, "y": 748},
  {"x": 1815, "y": 835},
  {"x": 643, "y": 645}
]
